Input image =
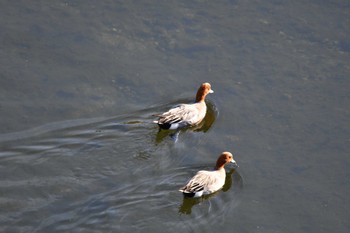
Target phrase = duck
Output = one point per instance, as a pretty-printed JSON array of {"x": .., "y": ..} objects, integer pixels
[
  {"x": 185, "y": 115},
  {"x": 207, "y": 182}
]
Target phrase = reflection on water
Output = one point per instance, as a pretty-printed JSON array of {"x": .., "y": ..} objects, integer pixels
[{"x": 232, "y": 178}]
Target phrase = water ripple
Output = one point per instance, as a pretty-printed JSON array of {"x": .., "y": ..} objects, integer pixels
[{"x": 106, "y": 174}]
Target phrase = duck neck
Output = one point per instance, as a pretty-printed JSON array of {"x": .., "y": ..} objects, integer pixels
[
  {"x": 219, "y": 166},
  {"x": 200, "y": 97}
]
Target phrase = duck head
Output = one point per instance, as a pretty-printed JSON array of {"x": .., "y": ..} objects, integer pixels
[{"x": 203, "y": 91}]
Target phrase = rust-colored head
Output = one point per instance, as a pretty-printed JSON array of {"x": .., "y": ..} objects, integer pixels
[
  {"x": 203, "y": 90},
  {"x": 225, "y": 158}
]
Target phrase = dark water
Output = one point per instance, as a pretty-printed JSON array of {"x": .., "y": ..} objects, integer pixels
[{"x": 80, "y": 81}]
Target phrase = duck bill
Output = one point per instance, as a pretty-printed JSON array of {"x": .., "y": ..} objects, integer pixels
[{"x": 234, "y": 163}]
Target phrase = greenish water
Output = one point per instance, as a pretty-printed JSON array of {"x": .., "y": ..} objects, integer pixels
[{"x": 80, "y": 81}]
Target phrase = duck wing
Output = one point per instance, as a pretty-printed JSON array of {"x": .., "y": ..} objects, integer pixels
[
  {"x": 182, "y": 113},
  {"x": 203, "y": 181}
]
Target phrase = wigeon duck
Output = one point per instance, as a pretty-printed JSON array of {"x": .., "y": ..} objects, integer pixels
[
  {"x": 186, "y": 114},
  {"x": 207, "y": 182}
]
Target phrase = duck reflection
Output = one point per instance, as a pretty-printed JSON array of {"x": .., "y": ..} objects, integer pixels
[
  {"x": 203, "y": 126},
  {"x": 232, "y": 177}
]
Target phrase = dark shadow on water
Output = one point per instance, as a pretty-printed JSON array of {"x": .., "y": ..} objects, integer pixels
[
  {"x": 232, "y": 178},
  {"x": 203, "y": 126}
]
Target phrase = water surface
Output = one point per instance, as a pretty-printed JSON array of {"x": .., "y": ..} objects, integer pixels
[{"x": 80, "y": 81}]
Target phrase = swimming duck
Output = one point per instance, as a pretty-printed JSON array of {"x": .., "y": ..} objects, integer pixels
[
  {"x": 207, "y": 182},
  {"x": 186, "y": 114}
]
